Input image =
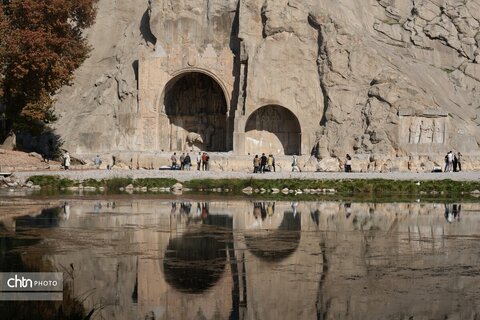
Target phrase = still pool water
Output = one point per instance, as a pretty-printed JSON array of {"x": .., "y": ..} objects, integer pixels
[{"x": 146, "y": 258}]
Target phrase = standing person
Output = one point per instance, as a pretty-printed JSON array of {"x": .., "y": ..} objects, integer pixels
[
  {"x": 182, "y": 161},
  {"x": 446, "y": 163},
  {"x": 449, "y": 159},
  {"x": 174, "y": 161},
  {"x": 97, "y": 161},
  {"x": 273, "y": 163},
  {"x": 270, "y": 163},
  {"x": 295, "y": 164},
  {"x": 204, "y": 161},
  {"x": 348, "y": 163},
  {"x": 199, "y": 160},
  {"x": 459, "y": 161},
  {"x": 455, "y": 162},
  {"x": 207, "y": 162},
  {"x": 186, "y": 162},
  {"x": 256, "y": 164},
  {"x": 263, "y": 163},
  {"x": 66, "y": 161}
]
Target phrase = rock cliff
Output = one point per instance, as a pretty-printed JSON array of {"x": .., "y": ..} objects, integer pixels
[{"x": 380, "y": 78}]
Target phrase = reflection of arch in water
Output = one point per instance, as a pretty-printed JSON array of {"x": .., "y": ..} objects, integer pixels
[
  {"x": 273, "y": 129},
  {"x": 196, "y": 261},
  {"x": 194, "y": 101},
  {"x": 279, "y": 244}
]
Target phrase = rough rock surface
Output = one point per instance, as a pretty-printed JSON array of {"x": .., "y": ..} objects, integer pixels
[{"x": 358, "y": 74}]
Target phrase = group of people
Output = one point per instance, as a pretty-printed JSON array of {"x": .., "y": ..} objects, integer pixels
[
  {"x": 263, "y": 163},
  {"x": 195, "y": 216},
  {"x": 453, "y": 162},
  {"x": 185, "y": 161}
]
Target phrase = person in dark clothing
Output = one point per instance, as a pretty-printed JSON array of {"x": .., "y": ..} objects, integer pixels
[
  {"x": 182, "y": 161},
  {"x": 263, "y": 163},
  {"x": 455, "y": 163},
  {"x": 173, "y": 159},
  {"x": 459, "y": 161},
  {"x": 207, "y": 162},
  {"x": 187, "y": 161}
]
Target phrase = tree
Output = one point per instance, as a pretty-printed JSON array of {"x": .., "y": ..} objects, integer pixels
[{"x": 41, "y": 45}]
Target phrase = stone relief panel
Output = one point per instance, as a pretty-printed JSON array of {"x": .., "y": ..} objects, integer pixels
[
  {"x": 149, "y": 133},
  {"x": 423, "y": 129}
]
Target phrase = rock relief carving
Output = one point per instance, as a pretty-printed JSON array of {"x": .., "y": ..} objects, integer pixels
[
  {"x": 194, "y": 139},
  {"x": 426, "y": 130}
]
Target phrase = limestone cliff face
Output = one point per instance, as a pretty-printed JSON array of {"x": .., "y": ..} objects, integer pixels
[
  {"x": 97, "y": 113},
  {"x": 391, "y": 78}
]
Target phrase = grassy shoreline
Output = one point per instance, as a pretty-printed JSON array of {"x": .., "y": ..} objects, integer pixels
[{"x": 341, "y": 187}]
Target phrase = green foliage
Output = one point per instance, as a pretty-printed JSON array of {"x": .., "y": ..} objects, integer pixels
[
  {"x": 51, "y": 182},
  {"x": 41, "y": 45},
  {"x": 368, "y": 190},
  {"x": 153, "y": 182},
  {"x": 114, "y": 184}
]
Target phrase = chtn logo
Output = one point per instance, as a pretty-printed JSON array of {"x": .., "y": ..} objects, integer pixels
[{"x": 16, "y": 282}]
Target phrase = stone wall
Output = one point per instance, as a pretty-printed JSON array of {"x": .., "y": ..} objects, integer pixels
[{"x": 375, "y": 78}]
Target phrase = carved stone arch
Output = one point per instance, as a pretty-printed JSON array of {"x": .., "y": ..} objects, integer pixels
[
  {"x": 175, "y": 75},
  {"x": 195, "y": 100},
  {"x": 273, "y": 129}
]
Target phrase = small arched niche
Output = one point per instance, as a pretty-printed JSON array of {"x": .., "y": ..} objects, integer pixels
[
  {"x": 276, "y": 245},
  {"x": 194, "y": 102},
  {"x": 273, "y": 129}
]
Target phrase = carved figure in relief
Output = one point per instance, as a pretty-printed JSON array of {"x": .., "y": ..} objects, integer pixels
[
  {"x": 208, "y": 135},
  {"x": 193, "y": 139},
  {"x": 273, "y": 118},
  {"x": 414, "y": 132},
  {"x": 437, "y": 132},
  {"x": 426, "y": 132}
]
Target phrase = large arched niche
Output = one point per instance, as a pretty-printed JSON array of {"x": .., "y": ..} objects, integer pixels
[
  {"x": 195, "y": 261},
  {"x": 273, "y": 129},
  {"x": 195, "y": 102}
]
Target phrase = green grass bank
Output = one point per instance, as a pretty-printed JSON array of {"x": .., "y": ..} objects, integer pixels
[{"x": 342, "y": 187}]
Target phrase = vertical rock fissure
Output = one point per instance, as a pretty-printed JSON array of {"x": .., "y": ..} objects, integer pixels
[{"x": 322, "y": 65}]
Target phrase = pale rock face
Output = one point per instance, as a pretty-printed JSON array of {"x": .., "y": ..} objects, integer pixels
[{"x": 362, "y": 73}]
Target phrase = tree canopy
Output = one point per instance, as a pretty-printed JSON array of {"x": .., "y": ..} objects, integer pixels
[{"x": 41, "y": 45}]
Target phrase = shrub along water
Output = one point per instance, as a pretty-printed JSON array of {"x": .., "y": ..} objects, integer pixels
[{"x": 342, "y": 187}]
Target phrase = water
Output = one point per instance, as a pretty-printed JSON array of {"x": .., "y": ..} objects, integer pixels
[{"x": 146, "y": 258}]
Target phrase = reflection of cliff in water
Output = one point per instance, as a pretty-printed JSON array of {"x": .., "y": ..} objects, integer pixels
[
  {"x": 195, "y": 261},
  {"x": 351, "y": 260},
  {"x": 275, "y": 245}
]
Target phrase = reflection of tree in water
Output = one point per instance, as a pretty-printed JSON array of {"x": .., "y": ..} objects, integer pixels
[
  {"x": 12, "y": 260},
  {"x": 48, "y": 218},
  {"x": 195, "y": 261},
  {"x": 278, "y": 244}
]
